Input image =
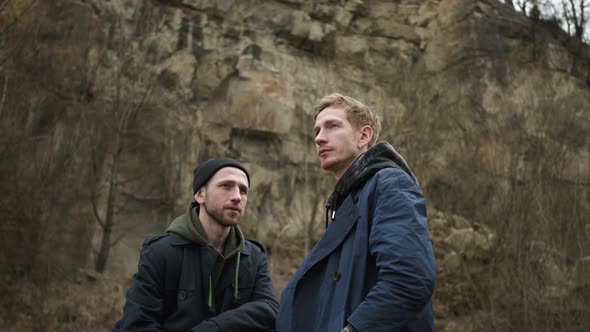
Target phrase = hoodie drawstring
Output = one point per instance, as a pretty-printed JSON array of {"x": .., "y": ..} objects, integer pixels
[
  {"x": 236, "y": 285},
  {"x": 210, "y": 301},
  {"x": 236, "y": 277}
]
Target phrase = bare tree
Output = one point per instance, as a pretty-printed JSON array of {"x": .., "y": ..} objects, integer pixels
[
  {"x": 522, "y": 5},
  {"x": 12, "y": 13},
  {"x": 132, "y": 88},
  {"x": 125, "y": 115},
  {"x": 575, "y": 13},
  {"x": 39, "y": 169}
]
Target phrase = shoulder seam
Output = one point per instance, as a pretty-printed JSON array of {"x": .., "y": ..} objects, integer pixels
[{"x": 257, "y": 244}]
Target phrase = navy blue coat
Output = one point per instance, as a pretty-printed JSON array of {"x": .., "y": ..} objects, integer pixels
[
  {"x": 373, "y": 268},
  {"x": 156, "y": 304}
]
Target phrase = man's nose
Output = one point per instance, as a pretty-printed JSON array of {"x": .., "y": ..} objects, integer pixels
[
  {"x": 320, "y": 137},
  {"x": 235, "y": 194}
]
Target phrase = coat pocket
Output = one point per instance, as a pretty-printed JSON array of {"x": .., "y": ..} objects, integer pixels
[
  {"x": 333, "y": 324},
  {"x": 176, "y": 299},
  {"x": 244, "y": 293},
  {"x": 338, "y": 323}
]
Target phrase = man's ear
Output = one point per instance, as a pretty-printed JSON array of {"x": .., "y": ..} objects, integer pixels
[
  {"x": 365, "y": 137},
  {"x": 200, "y": 195}
]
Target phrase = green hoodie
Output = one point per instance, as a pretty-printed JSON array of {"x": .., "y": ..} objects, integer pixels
[{"x": 189, "y": 227}]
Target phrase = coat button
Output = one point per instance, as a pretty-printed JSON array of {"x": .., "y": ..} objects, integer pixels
[
  {"x": 337, "y": 276},
  {"x": 181, "y": 295}
]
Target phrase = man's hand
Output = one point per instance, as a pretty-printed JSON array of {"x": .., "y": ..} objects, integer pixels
[{"x": 349, "y": 328}]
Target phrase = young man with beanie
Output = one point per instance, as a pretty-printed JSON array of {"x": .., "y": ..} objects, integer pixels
[
  {"x": 202, "y": 275},
  {"x": 373, "y": 269}
]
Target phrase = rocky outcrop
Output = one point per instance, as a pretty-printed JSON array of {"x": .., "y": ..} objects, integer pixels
[
  {"x": 582, "y": 270},
  {"x": 451, "y": 78},
  {"x": 458, "y": 240},
  {"x": 488, "y": 107}
]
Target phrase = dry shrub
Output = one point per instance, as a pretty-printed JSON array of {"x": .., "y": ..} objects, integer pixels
[
  {"x": 527, "y": 282},
  {"x": 82, "y": 302}
]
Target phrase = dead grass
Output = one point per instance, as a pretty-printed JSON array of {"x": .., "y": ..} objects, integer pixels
[
  {"x": 88, "y": 301},
  {"x": 81, "y": 302},
  {"x": 475, "y": 297}
]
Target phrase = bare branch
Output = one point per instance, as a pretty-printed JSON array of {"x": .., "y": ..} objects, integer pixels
[
  {"x": 5, "y": 30},
  {"x": 3, "y": 94},
  {"x": 95, "y": 211}
]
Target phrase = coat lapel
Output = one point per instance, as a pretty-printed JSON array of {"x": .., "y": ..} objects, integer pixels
[{"x": 346, "y": 218}]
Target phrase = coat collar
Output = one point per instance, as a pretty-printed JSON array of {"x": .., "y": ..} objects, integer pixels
[{"x": 381, "y": 155}]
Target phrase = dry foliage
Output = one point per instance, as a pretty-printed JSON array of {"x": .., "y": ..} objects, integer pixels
[{"x": 82, "y": 302}]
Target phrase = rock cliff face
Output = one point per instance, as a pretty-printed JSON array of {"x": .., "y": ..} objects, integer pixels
[
  {"x": 452, "y": 79},
  {"x": 489, "y": 108},
  {"x": 467, "y": 89}
]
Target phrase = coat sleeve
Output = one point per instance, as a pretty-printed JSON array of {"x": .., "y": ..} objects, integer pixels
[
  {"x": 400, "y": 242},
  {"x": 259, "y": 314},
  {"x": 143, "y": 308}
]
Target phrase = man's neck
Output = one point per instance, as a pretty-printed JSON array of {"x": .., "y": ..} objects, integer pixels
[
  {"x": 216, "y": 233},
  {"x": 340, "y": 173}
]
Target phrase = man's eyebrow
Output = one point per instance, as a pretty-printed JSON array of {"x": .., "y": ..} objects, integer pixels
[
  {"x": 233, "y": 182},
  {"x": 327, "y": 122}
]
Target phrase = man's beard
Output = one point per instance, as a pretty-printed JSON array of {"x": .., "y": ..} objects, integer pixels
[{"x": 219, "y": 218}]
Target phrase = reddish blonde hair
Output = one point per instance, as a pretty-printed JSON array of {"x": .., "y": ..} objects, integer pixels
[{"x": 357, "y": 113}]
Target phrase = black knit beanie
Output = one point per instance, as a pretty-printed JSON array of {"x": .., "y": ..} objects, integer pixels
[{"x": 208, "y": 168}]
